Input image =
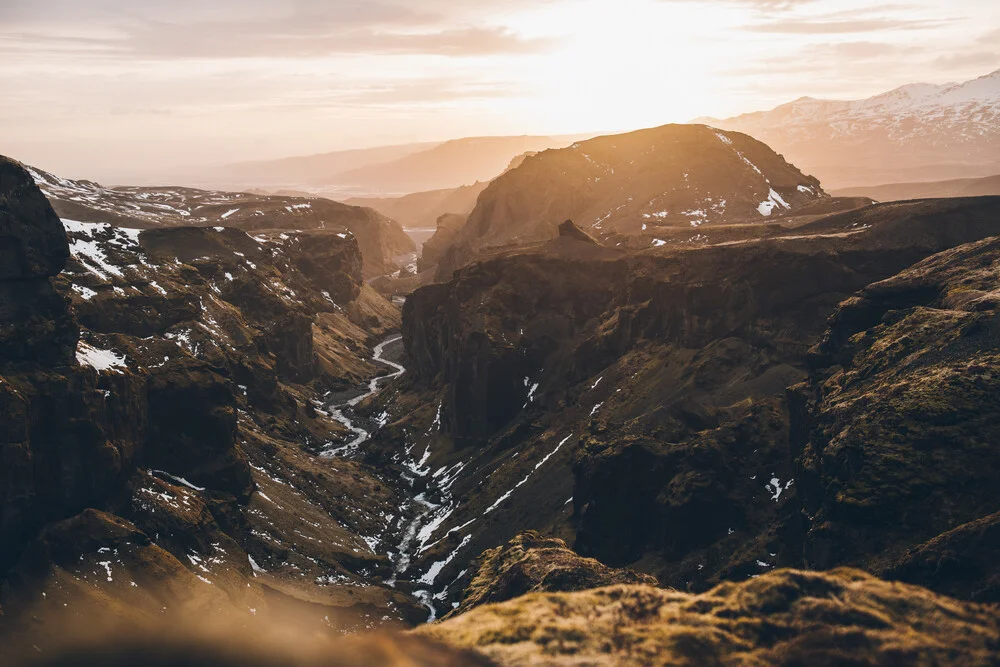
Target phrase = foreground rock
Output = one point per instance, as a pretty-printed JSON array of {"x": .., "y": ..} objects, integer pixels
[
  {"x": 531, "y": 563},
  {"x": 783, "y": 618}
]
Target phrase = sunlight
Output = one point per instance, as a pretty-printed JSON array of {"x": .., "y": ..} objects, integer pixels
[{"x": 628, "y": 64}]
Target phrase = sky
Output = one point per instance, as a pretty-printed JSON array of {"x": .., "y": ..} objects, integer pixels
[{"x": 105, "y": 89}]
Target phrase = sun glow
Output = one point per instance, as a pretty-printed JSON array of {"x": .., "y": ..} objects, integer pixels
[{"x": 629, "y": 64}]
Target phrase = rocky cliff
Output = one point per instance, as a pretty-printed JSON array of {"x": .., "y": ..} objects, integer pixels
[{"x": 381, "y": 239}]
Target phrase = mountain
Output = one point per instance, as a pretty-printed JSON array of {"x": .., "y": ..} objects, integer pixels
[
  {"x": 670, "y": 177},
  {"x": 962, "y": 187},
  {"x": 421, "y": 210},
  {"x": 311, "y": 169},
  {"x": 381, "y": 239},
  {"x": 918, "y": 132},
  {"x": 448, "y": 165}
]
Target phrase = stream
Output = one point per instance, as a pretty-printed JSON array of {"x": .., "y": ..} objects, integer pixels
[{"x": 339, "y": 409}]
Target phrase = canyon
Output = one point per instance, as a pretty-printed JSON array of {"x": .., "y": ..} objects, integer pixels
[{"x": 657, "y": 395}]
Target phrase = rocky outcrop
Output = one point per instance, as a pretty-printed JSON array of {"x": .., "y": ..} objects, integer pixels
[
  {"x": 69, "y": 433},
  {"x": 480, "y": 348},
  {"x": 783, "y": 618},
  {"x": 531, "y": 563},
  {"x": 448, "y": 227},
  {"x": 35, "y": 324},
  {"x": 671, "y": 177},
  {"x": 899, "y": 443},
  {"x": 192, "y": 427},
  {"x": 572, "y": 231},
  {"x": 32, "y": 240}
]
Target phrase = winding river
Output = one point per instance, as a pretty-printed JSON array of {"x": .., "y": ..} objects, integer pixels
[{"x": 337, "y": 411}]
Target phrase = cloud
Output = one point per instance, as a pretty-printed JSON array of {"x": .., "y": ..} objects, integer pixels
[
  {"x": 766, "y": 5},
  {"x": 991, "y": 38},
  {"x": 267, "y": 40},
  {"x": 821, "y": 26},
  {"x": 854, "y": 50},
  {"x": 254, "y": 28},
  {"x": 428, "y": 91},
  {"x": 984, "y": 59}
]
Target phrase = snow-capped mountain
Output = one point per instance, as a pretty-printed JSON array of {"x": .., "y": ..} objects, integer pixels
[{"x": 914, "y": 132}]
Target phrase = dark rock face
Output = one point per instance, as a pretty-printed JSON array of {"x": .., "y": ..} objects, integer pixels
[
  {"x": 35, "y": 324},
  {"x": 468, "y": 347},
  {"x": 192, "y": 427},
  {"x": 530, "y": 563},
  {"x": 842, "y": 617},
  {"x": 69, "y": 439},
  {"x": 65, "y": 441},
  {"x": 901, "y": 439},
  {"x": 32, "y": 240}
]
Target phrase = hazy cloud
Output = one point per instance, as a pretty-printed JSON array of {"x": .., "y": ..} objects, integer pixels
[
  {"x": 770, "y": 5},
  {"x": 821, "y": 26},
  {"x": 251, "y": 28},
  {"x": 985, "y": 59},
  {"x": 991, "y": 38},
  {"x": 266, "y": 40}
]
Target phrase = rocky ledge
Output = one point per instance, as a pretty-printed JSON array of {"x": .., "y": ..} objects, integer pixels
[{"x": 788, "y": 617}]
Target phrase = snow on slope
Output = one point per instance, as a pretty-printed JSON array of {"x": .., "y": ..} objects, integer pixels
[{"x": 914, "y": 132}]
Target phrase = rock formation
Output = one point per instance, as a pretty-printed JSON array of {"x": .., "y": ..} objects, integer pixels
[
  {"x": 530, "y": 563},
  {"x": 842, "y": 617}
]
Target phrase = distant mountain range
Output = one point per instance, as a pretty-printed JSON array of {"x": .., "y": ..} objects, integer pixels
[
  {"x": 312, "y": 169},
  {"x": 961, "y": 187},
  {"x": 918, "y": 132},
  {"x": 388, "y": 170}
]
